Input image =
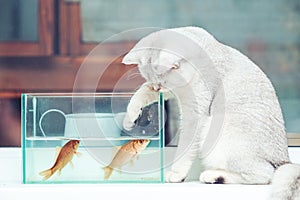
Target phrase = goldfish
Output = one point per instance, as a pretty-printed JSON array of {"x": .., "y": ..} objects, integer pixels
[
  {"x": 125, "y": 154},
  {"x": 64, "y": 156}
]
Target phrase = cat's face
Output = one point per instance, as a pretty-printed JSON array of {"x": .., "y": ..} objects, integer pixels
[
  {"x": 169, "y": 59},
  {"x": 162, "y": 68}
]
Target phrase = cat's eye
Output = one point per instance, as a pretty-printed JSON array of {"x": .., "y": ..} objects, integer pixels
[{"x": 175, "y": 66}]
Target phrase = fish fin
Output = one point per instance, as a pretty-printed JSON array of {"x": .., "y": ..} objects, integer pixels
[
  {"x": 131, "y": 162},
  {"x": 57, "y": 153},
  {"x": 118, "y": 147},
  {"x": 115, "y": 150},
  {"x": 78, "y": 154},
  {"x": 107, "y": 172},
  {"x": 59, "y": 172},
  {"x": 137, "y": 157},
  {"x": 47, "y": 174},
  {"x": 71, "y": 164}
]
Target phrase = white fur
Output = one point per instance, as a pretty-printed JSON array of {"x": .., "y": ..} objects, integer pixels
[
  {"x": 216, "y": 86},
  {"x": 286, "y": 183}
]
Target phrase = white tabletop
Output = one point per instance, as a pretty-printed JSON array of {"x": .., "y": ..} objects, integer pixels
[{"x": 12, "y": 188}]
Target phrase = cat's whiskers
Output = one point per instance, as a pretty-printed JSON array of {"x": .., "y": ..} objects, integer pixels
[{"x": 133, "y": 75}]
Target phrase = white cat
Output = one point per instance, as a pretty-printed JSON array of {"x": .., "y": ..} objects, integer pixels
[{"x": 230, "y": 115}]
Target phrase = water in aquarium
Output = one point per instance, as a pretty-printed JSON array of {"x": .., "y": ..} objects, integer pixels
[{"x": 80, "y": 139}]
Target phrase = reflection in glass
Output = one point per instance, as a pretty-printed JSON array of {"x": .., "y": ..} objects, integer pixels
[
  {"x": 18, "y": 20},
  {"x": 266, "y": 31}
]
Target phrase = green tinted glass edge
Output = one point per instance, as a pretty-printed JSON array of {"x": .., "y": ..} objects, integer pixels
[
  {"x": 23, "y": 135},
  {"x": 162, "y": 133}
]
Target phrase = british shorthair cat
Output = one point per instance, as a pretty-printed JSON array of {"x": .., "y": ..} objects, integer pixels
[{"x": 230, "y": 115}]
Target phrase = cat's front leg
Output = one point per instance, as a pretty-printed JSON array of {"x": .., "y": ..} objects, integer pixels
[
  {"x": 185, "y": 155},
  {"x": 144, "y": 96},
  {"x": 187, "y": 150},
  {"x": 179, "y": 171}
]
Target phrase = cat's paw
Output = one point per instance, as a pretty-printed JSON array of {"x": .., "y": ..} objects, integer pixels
[
  {"x": 174, "y": 177},
  {"x": 128, "y": 124},
  {"x": 131, "y": 116},
  {"x": 212, "y": 176}
]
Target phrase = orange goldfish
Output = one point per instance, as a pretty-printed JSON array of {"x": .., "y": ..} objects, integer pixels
[
  {"x": 125, "y": 154},
  {"x": 65, "y": 156}
]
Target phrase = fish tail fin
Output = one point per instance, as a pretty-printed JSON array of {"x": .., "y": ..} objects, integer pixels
[
  {"x": 47, "y": 174},
  {"x": 107, "y": 172}
]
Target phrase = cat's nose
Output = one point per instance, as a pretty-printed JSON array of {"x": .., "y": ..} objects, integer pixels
[{"x": 157, "y": 87}]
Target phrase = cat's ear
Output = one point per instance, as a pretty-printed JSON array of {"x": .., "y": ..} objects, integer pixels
[{"x": 131, "y": 58}]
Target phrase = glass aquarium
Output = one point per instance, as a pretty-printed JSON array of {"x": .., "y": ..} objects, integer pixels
[{"x": 79, "y": 138}]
